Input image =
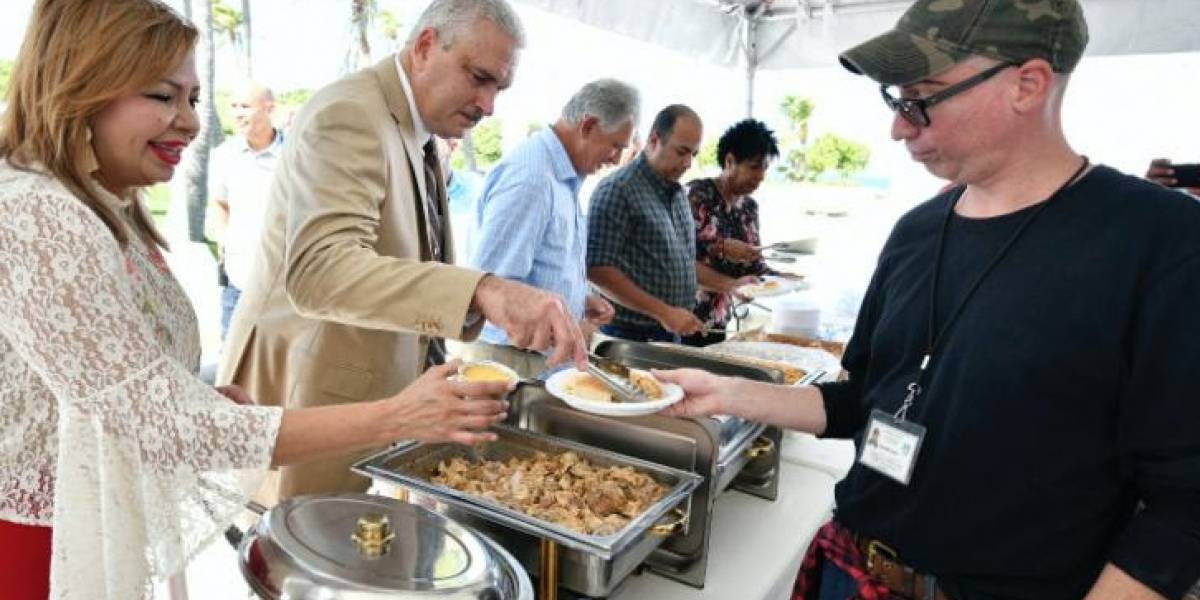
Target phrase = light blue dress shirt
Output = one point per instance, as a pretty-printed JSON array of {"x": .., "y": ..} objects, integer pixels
[{"x": 529, "y": 226}]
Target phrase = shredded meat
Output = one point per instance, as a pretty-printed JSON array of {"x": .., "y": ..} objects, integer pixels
[{"x": 564, "y": 489}]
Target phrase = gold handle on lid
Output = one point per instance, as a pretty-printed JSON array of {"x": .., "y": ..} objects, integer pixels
[{"x": 373, "y": 534}]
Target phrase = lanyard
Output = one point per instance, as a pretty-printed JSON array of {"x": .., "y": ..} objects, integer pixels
[{"x": 933, "y": 339}]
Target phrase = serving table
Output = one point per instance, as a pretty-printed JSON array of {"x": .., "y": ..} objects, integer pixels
[{"x": 757, "y": 545}]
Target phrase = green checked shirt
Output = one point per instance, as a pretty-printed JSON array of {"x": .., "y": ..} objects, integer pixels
[{"x": 642, "y": 224}]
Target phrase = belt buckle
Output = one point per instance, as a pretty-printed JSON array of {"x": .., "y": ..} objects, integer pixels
[{"x": 875, "y": 549}]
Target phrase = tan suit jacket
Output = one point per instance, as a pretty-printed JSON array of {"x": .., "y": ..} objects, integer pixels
[{"x": 343, "y": 277}]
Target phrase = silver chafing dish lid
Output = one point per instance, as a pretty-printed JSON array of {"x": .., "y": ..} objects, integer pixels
[{"x": 361, "y": 546}]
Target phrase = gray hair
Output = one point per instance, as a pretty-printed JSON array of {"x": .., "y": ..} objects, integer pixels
[
  {"x": 452, "y": 18},
  {"x": 612, "y": 102}
]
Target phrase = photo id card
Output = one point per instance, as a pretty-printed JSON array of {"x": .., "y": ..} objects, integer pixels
[{"x": 890, "y": 445}]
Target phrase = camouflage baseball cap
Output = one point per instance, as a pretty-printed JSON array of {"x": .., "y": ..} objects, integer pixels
[{"x": 934, "y": 35}]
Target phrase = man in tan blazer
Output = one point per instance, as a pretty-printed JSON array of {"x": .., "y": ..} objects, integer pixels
[{"x": 352, "y": 288}]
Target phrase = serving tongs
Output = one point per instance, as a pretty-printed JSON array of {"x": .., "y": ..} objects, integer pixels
[{"x": 615, "y": 377}]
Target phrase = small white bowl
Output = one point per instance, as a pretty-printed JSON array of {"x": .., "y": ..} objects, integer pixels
[{"x": 503, "y": 368}]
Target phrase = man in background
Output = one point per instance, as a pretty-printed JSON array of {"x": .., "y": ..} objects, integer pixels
[
  {"x": 641, "y": 236},
  {"x": 239, "y": 180},
  {"x": 529, "y": 224}
]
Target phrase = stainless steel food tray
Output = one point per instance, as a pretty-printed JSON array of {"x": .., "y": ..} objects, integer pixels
[
  {"x": 412, "y": 466},
  {"x": 728, "y": 453}
]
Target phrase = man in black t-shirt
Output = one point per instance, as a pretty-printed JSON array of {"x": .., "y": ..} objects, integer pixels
[{"x": 1027, "y": 348}]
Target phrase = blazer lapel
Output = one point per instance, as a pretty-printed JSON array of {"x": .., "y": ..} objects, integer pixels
[
  {"x": 397, "y": 102},
  {"x": 436, "y": 242}
]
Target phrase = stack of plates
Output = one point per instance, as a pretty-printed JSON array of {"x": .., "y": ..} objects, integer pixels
[{"x": 797, "y": 315}]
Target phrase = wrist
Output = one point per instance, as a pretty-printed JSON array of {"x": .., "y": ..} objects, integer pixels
[
  {"x": 485, "y": 290},
  {"x": 743, "y": 400},
  {"x": 662, "y": 311},
  {"x": 384, "y": 422},
  {"x": 728, "y": 391}
]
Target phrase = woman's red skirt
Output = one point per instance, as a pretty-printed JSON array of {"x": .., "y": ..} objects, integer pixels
[{"x": 24, "y": 561}]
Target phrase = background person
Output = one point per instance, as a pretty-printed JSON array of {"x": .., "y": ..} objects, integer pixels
[
  {"x": 1161, "y": 172},
  {"x": 462, "y": 192},
  {"x": 528, "y": 222},
  {"x": 641, "y": 237},
  {"x": 239, "y": 180},
  {"x": 726, "y": 218}
]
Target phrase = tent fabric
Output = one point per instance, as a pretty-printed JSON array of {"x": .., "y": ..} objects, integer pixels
[{"x": 791, "y": 34}]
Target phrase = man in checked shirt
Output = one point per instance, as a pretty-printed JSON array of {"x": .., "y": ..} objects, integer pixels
[{"x": 641, "y": 238}]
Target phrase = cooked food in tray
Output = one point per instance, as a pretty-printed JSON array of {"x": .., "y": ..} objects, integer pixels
[
  {"x": 564, "y": 489},
  {"x": 791, "y": 374}
]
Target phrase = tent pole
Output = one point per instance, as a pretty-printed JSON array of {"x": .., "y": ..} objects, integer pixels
[{"x": 750, "y": 22}]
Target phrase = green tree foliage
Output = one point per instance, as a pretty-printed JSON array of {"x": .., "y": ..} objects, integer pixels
[
  {"x": 293, "y": 98},
  {"x": 227, "y": 21},
  {"x": 795, "y": 164},
  {"x": 488, "y": 138},
  {"x": 798, "y": 111},
  {"x": 707, "y": 157},
  {"x": 6, "y": 69},
  {"x": 794, "y": 141},
  {"x": 832, "y": 152},
  {"x": 224, "y": 102},
  {"x": 389, "y": 24}
]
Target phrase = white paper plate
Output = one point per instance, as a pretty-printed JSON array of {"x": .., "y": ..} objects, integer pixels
[
  {"x": 770, "y": 286},
  {"x": 557, "y": 385}
]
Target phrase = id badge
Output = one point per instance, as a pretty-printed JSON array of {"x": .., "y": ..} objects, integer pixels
[{"x": 890, "y": 445}]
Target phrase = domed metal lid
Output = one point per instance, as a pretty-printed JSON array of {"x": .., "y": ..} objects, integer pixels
[{"x": 312, "y": 546}]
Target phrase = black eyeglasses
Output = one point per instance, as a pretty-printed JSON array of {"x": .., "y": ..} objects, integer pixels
[{"x": 916, "y": 110}]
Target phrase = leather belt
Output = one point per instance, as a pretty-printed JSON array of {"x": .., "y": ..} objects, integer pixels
[{"x": 885, "y": 567}]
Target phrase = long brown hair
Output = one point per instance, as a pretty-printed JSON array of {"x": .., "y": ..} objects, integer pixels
[{"x": 77, "y": 57}]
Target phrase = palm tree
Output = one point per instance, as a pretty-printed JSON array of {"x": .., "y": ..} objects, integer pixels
[
  {"x": 247, "y": 37},
  {"x": 230, "y": 23},
  {"x": 362, "y": 14},
  {"x": 196, "y": 169},
  {"x": 389, "y": 24}
]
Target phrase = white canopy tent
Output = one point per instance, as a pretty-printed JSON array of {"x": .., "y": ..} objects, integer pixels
[{"x": 791, "y": 34}]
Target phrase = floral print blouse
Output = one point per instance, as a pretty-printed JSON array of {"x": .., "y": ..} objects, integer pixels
[{"x": 717, "y": 221}]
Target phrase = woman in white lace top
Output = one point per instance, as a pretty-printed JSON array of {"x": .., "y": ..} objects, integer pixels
[{"x": 116, "y": 463}]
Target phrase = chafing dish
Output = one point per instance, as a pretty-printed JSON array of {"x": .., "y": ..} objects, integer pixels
[
  {"x": 729, "y": 453},
  {"x": 588, "y": 564},
  {"x": 368, "y": 547}
]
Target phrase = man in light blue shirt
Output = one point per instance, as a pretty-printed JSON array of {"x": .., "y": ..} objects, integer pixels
[{"x": 529, "y": 226}]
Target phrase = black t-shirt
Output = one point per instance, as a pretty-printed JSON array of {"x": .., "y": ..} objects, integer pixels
[{"x": 1066, "y": 395}]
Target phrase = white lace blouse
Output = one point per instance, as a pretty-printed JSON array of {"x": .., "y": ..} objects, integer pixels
[{"x": 106, "y": 434}]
